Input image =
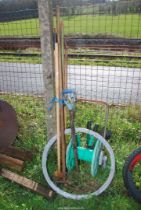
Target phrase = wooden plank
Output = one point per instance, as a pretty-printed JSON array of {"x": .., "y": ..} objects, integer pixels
[
  {"x": 12, "y": 163},
  {"x": 65, "y": 82},
  {"x": 18, "y": 153},
  {"x": 59, "y": 26},
  {"x": 27, "y": 183},
  {"x": 63, "y": 143},
  {"x": 57, "y": 93}
]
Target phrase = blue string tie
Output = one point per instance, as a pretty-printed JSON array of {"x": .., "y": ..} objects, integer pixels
[{"x": 64, "y": 100}]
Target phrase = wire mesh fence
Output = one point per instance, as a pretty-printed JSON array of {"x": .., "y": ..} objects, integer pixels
[
  {"x": 102, "y": 47},
  {"x": 21, "y": 77},
  {"x": 20, "y": 54},
  {"x": 102, "y": 42}
]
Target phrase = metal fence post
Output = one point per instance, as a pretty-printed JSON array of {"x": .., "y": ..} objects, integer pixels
[{"x": 45, "y": 17}]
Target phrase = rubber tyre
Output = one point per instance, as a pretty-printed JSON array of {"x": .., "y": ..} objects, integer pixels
[{"x": 127, "y": 176}]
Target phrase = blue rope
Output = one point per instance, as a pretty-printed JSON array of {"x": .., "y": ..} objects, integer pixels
[
  {"x": 63, "y": 101},
  {"x": 53, "y": 100}
]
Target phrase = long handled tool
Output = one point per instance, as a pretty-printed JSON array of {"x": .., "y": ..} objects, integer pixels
[
  {"x": 57, "y": 93},
  {"x": 69, "y": 97},
  {"x": 73, "y": 137},
  {"x": 59, "y": 84}
]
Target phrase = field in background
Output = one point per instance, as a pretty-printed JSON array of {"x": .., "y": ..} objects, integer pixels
[
  {"x": 119, "y": 25},
  {"x": 128, "y": 25},
  {"x": 20, "y": 28}
]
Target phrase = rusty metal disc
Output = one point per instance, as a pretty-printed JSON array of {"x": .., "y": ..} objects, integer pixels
[{"x": 8, "y": 125}]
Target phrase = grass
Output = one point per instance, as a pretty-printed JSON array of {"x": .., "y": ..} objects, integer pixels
[
  {"x": 20, "y": 28},
  {"x": 119, "y": 25},
  {"x": 117, "y": 62},
  {"x": 113, "y": 62},
  {"x": 124, "y": 62},
  {"x": 20, "y": 59},
  {"x": 125, "y": 126}
]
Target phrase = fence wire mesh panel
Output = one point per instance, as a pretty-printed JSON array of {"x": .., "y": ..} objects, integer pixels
[
  {"x": 21, "y": 76},
  {"x": 103, "y": 58},
  {"x": 20, "y": 52},
  {"x": 103, "y": 47}
]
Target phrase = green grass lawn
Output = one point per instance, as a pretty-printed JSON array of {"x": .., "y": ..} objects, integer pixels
[
  {"x": 128, "y": 25},
  {"x": 120, "y": 25},
  {"x": 125, "y": 125},
  {"x": 20, "y": 28}
]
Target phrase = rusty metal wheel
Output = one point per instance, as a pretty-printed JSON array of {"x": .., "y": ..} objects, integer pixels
[{"x": 8, "y": 125}]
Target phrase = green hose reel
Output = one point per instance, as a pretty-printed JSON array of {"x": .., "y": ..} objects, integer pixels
[{"x": 92, "y": 153}]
